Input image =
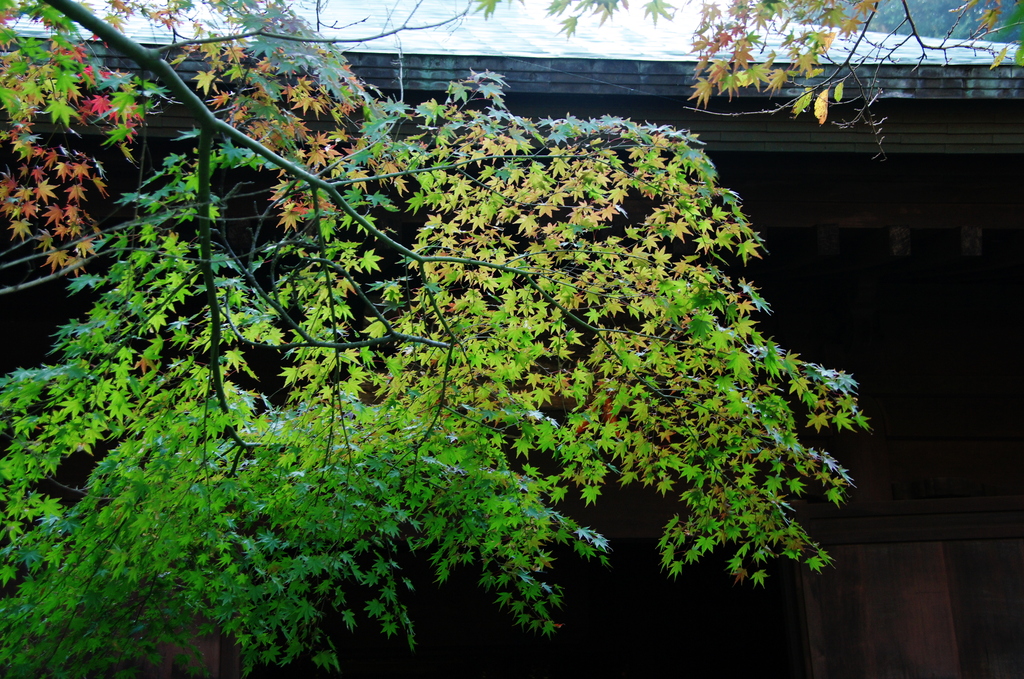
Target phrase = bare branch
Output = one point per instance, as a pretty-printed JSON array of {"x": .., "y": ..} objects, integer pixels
[
  {"x": 56, "y": 275},
  {"x": 265, "y": 33}
]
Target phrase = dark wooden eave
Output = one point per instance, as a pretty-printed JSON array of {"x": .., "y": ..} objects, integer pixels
[
  {"x": 670, "y": 79},
  {"x": 926, "y": 109},
  {"x": 964, "y": 110}
]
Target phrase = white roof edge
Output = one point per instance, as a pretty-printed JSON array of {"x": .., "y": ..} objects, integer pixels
[{"x": 525, "y": 31}]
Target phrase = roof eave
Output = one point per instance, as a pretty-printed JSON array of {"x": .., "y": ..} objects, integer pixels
[{"x": 432, "y": 72}]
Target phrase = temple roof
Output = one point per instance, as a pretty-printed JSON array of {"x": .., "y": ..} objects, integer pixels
[{"x": 523, "y": 29}]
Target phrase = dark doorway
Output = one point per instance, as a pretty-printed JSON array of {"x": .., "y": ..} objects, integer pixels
[{"x": 627, "y": 621}]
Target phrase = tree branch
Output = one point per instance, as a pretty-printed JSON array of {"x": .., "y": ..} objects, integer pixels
[
  {"x": 7, "y": 290},
  {"x": 264, "y": 33}
]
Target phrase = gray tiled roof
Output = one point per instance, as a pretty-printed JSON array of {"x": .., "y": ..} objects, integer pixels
[{"x": 523, "y": 30}]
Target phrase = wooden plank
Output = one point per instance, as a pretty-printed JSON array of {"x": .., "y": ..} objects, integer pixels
[
  {"x": 230, "y": 658},
  {"x": 865, "y": 456},
  {"x": 969, "y": 415},
  {"x": 899, "y": 241},
  {"x": 814, "y": 631},
  {"x": 915, "y": 520},
  {"x": 986, "y": 590},
  {"x": 972, "y": 505},
  {"x": 994, "y": 465},
  {"x": 918, "y": 528},
  {"x": 884, "y": 612}
]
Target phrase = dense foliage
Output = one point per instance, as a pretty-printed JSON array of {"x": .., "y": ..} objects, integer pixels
[{"x": 279, "y": 404}]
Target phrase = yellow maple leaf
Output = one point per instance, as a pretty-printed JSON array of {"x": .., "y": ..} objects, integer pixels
[
  {"x": 821, "y": 107},
  {"x": 205, "y": 80},
  {"x": 22, "y": 228},
  {"x": 702, "y": 92},
  {"x": 777, "y": 79},
  {"x": 57, "y": 259}
]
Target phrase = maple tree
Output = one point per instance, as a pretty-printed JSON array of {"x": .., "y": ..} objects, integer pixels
[{"x": 278, "y": 403}]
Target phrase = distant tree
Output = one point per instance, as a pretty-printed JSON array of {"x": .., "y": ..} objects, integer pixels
[
  {"x": 278, "y": 403},
  {"x": 932, "y": 18}
]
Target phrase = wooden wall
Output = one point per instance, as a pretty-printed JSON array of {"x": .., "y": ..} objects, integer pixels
[
  {"x": 928, "y": 579},
  {"x": 925, "y": 588}
]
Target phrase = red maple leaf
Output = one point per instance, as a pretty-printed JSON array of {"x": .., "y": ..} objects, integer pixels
[{"x": 96, "y": 105}]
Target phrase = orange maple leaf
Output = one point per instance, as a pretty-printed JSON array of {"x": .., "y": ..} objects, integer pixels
[
  {"x": 54, "y": 215},
  {"x": 57, "y": 259},
  {"x": 44, "y": 191},
  {"x": 76, "y": 193}
]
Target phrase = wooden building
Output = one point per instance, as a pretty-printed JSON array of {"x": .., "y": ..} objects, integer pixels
[{"x": 895, "y": 253}]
